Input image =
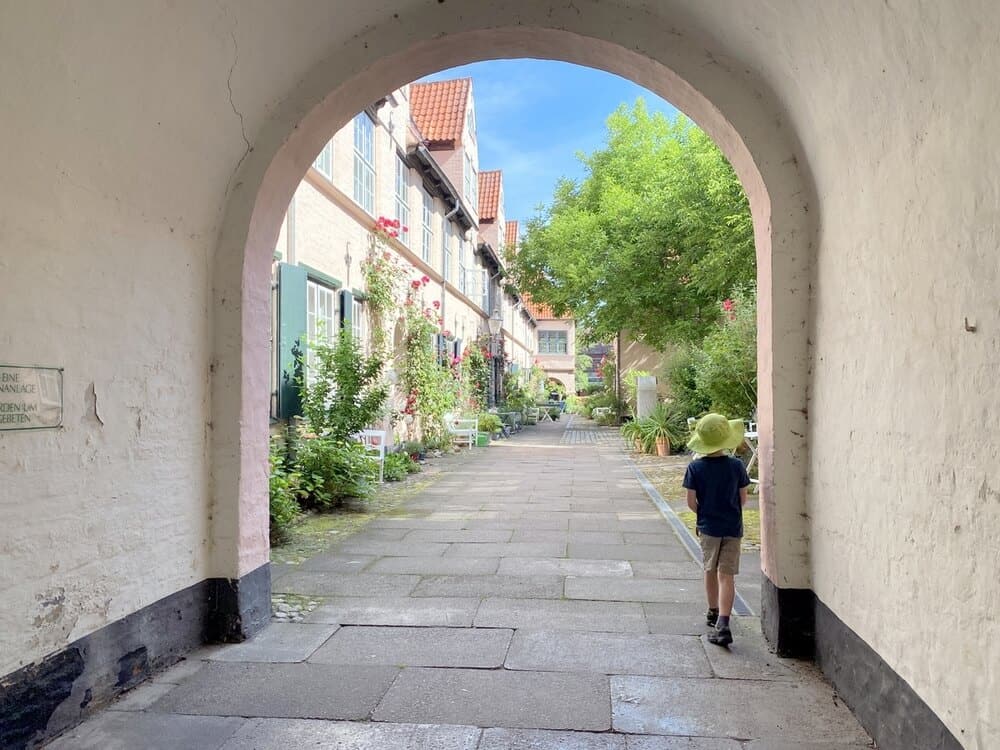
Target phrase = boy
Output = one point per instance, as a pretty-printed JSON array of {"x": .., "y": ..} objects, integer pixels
[{"x": 717, "y": 491}]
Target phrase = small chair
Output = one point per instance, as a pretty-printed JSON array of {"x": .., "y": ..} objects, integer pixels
[
  {"x": 375, "y": 443},
  {"x": 462, "y": 430}
]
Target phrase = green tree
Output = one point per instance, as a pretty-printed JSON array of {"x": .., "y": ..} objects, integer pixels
[{"x": 655, "y": 234}]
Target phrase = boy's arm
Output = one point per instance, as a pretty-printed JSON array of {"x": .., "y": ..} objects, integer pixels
[
  {"x": 743, "y": 497},
  {"x": 692, "y": 499}
]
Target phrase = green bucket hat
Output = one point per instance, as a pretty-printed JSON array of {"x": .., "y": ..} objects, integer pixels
[{"x": 714, "y": 432}]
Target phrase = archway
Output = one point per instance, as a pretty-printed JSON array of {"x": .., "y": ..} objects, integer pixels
[{"x": 735, "y": 110}]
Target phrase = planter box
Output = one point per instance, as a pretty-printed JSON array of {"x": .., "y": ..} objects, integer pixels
[{"x": 482, "y": 439}]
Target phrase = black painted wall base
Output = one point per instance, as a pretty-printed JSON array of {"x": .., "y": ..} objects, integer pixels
[
  {"x": 894, "y": 715},
  {"x": 787, "y": 619},
  {"x": 44, "y": 699}
]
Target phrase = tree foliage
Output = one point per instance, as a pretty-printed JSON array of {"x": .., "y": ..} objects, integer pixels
[{"x": 649, "y": 241}]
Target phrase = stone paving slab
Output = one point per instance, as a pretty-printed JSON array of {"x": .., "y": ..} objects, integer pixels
[
  {"x": 555, "y": 614},
  {"x": 509, "y": 549},
  {"x": 461, "y": 535},
  {"x": 638, "y": 590},
  {"x": 392, "y": 549},
  {"x": 436, "y": 565},
  {"x": 426, "y": 612},
  {"x": 415, "y": 522},
  {"x": 278, "y": 642},
  {"x": 608, "y": 653},
  {"x": 312, "y": 583},
  {"x": 286, "y": 734},
  {"x": 746, "y": 709},
  {"x": 663, "y": 618},
  {"x": 379, "y": 534},
  {"x": 514, "y": 523},
  {"x": 337, "y": 563},
  {"x": 656, "y": 552},
  {"x": 748, "y": 658},
  {"x": 116, "y": 730},
  {"x": 666, "y": 537},
  {"x": 563, "y": 566},
  {"x": 636, "y": 742},
  {"x": 416, "y": 647},
  {"x": 667, "y": 570},
  {"x": 782, "y": 745},
  {"x": 142, "y": 697},
  {"x": 577, "y": 537},
  {"x": 533, "y": 700},
  {"x": 297, "y": 691},
  {"x": 548, "y": 739},
  {"x": 515, "y": 587}
]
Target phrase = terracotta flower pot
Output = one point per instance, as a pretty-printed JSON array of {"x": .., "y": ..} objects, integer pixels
[
  {"x": 638, "y": 445},
  {"x": 662, "y": 446}
]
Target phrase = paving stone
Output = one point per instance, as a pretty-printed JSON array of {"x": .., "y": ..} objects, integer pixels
[
  {"x": 278, "y": 642},
  {"x": 564, "y": 566},
  {"x": 661, "y": 569},
  {"x": 636, "y": 742},
  {"x": 629, "y": 552},
  {"x": 510, "y": 549},
  {"x": 119, "y": 730},
  {"x": 282, "y": 734},
  {"x": 380, "y": 534},
  {"x": 548, "y": 739},
  {"x": 437, "y": 565},
  {"x": 638, "y": 590},
  {"x": 187, "y": 666},
  {"x": 337, "y": 584},
  {"x": 393, "y": 549},
  {"x": 556, "y": 614},
  {"x": 576, "y": 537},
  {"x": 299, "y": 691},
  {"x": 663, "y": 618},
  {"x": 534, "y": 700},
  {"x": 416, "y": 647},
  {"x": 664, "y": 536},
  {"x": 337, "y": 563},
  {"x": 142, "y": 697},
  {"x": 448, "y": 536},
  {"x": 746, "y": 709},
  {"x": 427, "y": 612},
  {"x": 515, "y": 587},
  {"x": 782, "y": 745},
  {"x": 748, "y": 658},
  {"x": 608, "y": 653},
  {"x": 416, "y": 522},
  {"x": 516, "y": 523}
]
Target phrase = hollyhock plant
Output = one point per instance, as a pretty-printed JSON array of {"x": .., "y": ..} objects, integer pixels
[{"x": 437, "y": 304}]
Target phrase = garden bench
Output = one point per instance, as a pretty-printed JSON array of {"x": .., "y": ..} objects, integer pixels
[
  {"x": 600, "y": 411},
  {"x": 462, "y": 429},
  {"x": 375, "y": 443},
  {"x": 531, "y": 415}
]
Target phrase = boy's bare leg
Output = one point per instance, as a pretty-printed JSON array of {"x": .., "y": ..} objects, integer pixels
[
  {"x": 712, "y": 589},
  {"x": 726, "y": 593}
]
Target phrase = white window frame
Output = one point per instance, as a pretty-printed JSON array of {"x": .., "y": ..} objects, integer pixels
[
  {"x": 485, "y": 281},
  {"x": 364, "y": 162},
  {"x": 446, "y": 237},
  {"x": 471, "y": 182},
  {"x": 463, "y": 270},
  {"x": 403, "y": 199},
  {"x": 427, "y": 237},
  {"x": 548, "y": 342},
  {"x": 324, "y": 161},
  {"x": 321, "y": 320},
  {"x": 358, "y": 323}
]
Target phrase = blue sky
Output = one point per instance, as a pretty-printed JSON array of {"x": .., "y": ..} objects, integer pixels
[{"x": 534, "y": 116}]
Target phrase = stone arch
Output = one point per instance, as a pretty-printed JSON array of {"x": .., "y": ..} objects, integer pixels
[{"x": 684, "y": 66}]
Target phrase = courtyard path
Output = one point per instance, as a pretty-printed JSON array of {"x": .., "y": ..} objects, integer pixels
[{"x": 532, "y": 598}]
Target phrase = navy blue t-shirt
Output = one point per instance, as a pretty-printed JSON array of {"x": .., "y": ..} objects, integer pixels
[{"x": 716, "y": 481}]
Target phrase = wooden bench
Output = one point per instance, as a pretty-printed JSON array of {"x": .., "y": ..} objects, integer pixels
[{"x": 462, "y": 429}]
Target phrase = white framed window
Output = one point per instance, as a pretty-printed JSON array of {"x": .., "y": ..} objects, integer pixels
[
  {"x": 484, "y": 282},
  {"x": 321, "y": 320},
  {"x": 446, "y": 250},
  {"x": 364, "y": 162},
  {"x": 552, "y": 342},
  {"x": 470, "y": 122},
  {"x": 471, "y": 182},
  {"x": 403, "y": 200},
  {"x": 324, "y": 161},
  {"x": 358, "y": 322},
  {"x": 463, "y": 269},
  {"x": 427, "y": 236}
]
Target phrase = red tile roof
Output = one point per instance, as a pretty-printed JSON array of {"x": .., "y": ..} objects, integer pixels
[
  {"x": 489, "y": 194},
  {"x": 510, "y": 234},
  {"x": 541, "y": 311},
  {"x": 438, "y": 109}
]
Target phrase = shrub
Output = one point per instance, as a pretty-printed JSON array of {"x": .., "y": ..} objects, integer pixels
[
  {"x": 284, "y": 487},
  {"x": 333, "y": 470},
  {"x": 489, "y": 423},
  {"x": 396, "y": 467}
]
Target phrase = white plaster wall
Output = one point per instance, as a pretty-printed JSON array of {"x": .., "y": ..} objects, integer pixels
[{"x": 123, "y": 140}]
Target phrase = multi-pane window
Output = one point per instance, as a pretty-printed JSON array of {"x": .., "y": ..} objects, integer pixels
[
  {"x": 552, "y": 342},
  {"x": 321, "y": 316},
  {"x": 463, "y": 270},
  {"x": 470, "y": 123},
  {"x": 324, "y": 162},
  {"x": 446, "y": 250},
  {"x": 427, "y": 237},
  {"x": 364, "y": 162},
  {"x": 358, "y": 322},
  {"x": 471, "y": 182},
  {"x": 403, "y": 200},
  {"x": 484, "y": 281}
]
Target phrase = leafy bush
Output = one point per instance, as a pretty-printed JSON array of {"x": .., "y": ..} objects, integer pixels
[
  {"x": 396, "y": 467},
  {"x": 631, "y": 382},
  {"x": 346, "y": 393},
  {"x": 333, "y": 470},
  {"x": 284, "y": 487},
  {"x": 490, "y": 423},
  {"x": 414, "y": 448},
  {"x": 682, "y": 371},
  {"x": 727, "y": 368}
]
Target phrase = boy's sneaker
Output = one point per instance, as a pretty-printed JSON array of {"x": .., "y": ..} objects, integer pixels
[
  {"x": 721, "y": 637},
  {"x": 712, "y": 617}
]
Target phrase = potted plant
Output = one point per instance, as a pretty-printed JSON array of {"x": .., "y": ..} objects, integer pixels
[
  {"x": 632, "y": 434},
  {"x": 415, "y": 450},
  {"x": 491, "y": 424},
  {"x": 660, "y": 427}
]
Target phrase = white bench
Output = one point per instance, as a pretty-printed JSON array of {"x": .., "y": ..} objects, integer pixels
[
  {"x": 600, "y": 411},
  {"x": 461, "y": 429},
  {"x": 375, "y": 443}
]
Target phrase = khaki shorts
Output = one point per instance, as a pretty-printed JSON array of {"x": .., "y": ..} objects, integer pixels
[{"x": 721, "y": 553}]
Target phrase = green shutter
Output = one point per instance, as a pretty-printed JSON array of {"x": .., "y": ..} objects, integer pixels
[
  {"x": 291, "y": 337},
  {"x": 346, "y": 310}
]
